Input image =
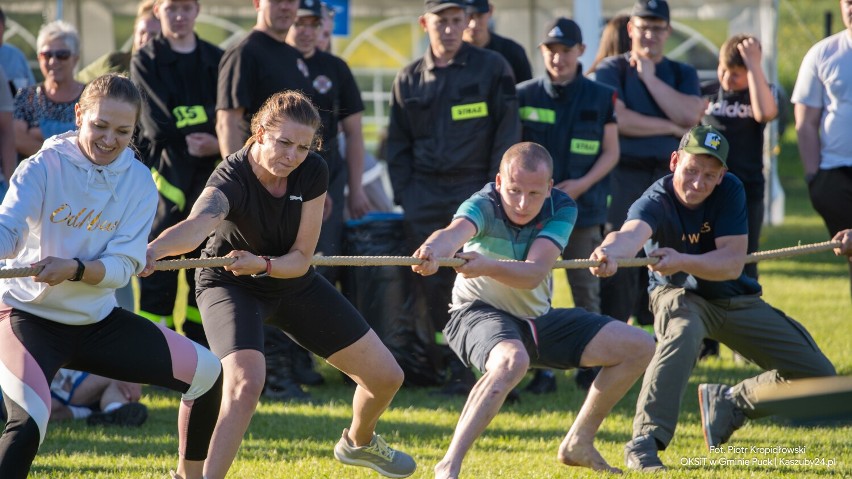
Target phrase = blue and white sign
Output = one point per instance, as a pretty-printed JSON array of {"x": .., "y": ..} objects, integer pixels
[{"x": 342, "y": 18}]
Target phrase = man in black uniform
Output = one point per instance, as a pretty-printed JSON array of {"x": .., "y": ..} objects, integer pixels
[
  {"x": 251, "y": 71},
  {"x": 453, "y": 114},
  {"x": 178, "y": 72},
  {"x": 479, "y": 34}
]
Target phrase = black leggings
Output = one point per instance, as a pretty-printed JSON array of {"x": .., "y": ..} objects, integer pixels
[{"x": 122, "y": 346}]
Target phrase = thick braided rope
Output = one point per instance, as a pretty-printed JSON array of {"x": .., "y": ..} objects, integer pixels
[{"x": 450, "y": 262}]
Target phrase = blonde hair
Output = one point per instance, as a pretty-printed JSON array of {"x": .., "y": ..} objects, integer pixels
[
  {"x": 112, "y": 86},
  {"x": 527, "y": 156}
]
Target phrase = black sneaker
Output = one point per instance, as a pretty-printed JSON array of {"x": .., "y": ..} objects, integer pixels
[
  {"x": 719, "y": 416},
  {"x": 132, "y": 414},
  {"x": 640, "y": 454},
  {"x": 303, "y": 368},
  {"x": 287, "y": 390},
  {"x": 543, "y": 382},
  {"x": 584, "y": 377}
]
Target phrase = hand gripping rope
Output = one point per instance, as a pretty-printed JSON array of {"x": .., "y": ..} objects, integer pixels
[{"x": 449, "y": 262}]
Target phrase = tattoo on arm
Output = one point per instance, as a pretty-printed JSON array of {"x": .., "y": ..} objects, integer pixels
[{"x": 212, "y": 202}]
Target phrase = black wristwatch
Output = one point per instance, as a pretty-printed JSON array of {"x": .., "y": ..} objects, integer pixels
[{"x": 81, "y": 268}]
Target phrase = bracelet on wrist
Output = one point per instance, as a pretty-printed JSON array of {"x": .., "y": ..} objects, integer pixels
[
  {"x": 268, "y": 268},
  {"x": 81, "y": 269}
]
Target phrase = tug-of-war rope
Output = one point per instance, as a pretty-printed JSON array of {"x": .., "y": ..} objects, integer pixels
[{"x": 450, "y": 262}]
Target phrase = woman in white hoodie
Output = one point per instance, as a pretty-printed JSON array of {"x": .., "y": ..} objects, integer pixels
[{"x": 81, "y": 208}]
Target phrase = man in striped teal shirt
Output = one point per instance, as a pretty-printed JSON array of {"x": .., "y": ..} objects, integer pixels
[{"x": 502, "y": 320}]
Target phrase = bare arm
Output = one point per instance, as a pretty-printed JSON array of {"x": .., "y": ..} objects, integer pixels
[
  {"x": 807, "y": 129},
  {"x": 631, "y": 123},
  {"x": 610, "y": 152},
  {"x": 443, "y": 243},
  {"x": 724, "y": 263},
  {"x": 27, "y": 140},
  {"x": 526, "y": 274},
  {"x": 207, "y": 213},
  {"x": 624, "y": 243},
  {"x": 763, "y": 104},
  {"x": 228, "y": 130},
  {"x": 682, "y": 109},
  {"x": 8, "y": 154},
  {"x": 359, "y": 204}
]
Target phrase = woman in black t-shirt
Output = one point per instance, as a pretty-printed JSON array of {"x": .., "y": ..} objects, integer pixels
[{"x": 263, "y": 206}]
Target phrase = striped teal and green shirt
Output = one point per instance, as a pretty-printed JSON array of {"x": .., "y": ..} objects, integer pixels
[{"x": 497, "y": 237}]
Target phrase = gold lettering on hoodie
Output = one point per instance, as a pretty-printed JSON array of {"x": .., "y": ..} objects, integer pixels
[{"x": 83, "y": 218}]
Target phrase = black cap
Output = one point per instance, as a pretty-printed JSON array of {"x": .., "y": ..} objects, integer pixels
[
  {"x": 435, "y": 6},
  {"x": 309, "y": 8},
  {"x": 478, "y": 6},
  {"x": 651, "y": 9},
  {"x": 564, "y": 31}
]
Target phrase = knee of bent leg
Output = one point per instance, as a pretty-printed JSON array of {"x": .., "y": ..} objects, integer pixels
[
  {"x": 389, "y": 379},
  {"x": 509, "y": 357},
  {"x": 207, "y": 372}
]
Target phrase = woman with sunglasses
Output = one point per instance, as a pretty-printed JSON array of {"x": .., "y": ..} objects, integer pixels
[{"x": 47, "y": 109}]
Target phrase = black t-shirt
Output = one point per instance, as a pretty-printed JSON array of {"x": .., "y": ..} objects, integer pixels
[
  {"x": 731, "y": 113},
  {"x": 257, "y": 221},
  {"x": 255, "y": 69},
  {"x": 336, "y": 96},
  {"x": 514, "y": 53},
  {"x": 694, "y": 231}
]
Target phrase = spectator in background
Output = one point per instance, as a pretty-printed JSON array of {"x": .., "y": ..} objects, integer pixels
[
  {"x": 614, "y": 41},
  {"x": 251, "y": 71},
  {"x": 47, "y": 109},
  {"x": 823, "y": 111},
  {"x": 100, "y": 401},
  {"x": 13, "y": 62},
  {"x": 453, "y": 113},
  {"x": 326, "y": 34},
  {"x": 658, "y": 100},
  {"x": 478, "y": 33},
  {"x": 145, "y": 27},
  {"x": 740, "y": 105},
  {"x": 178, "y": 73},
  {"x": 574, "y": 118},
  {"x": 8, "y": 155}
]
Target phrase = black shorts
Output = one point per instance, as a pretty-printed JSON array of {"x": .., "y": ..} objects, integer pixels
[
  {"x": 556, "y": 339},
  {"x": 313, "y": 313}
]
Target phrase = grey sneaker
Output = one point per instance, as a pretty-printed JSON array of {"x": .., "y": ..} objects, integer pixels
[
  {"x": 640, "y": 454},
  {"x": 377, "y": 456},
  {"x": 719, "y": 416}
]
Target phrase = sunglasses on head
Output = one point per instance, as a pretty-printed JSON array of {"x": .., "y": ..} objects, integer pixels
[{"x": 58, "y": 54}]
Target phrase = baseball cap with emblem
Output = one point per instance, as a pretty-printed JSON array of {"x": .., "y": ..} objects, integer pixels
[
  {"x": 564, "y": 31},
  {"x": 651, "y": 9},
  {"x": 309, "y": 8},
  {"x": 705, "y": 140},
  {"x": 435, "y": 6}
]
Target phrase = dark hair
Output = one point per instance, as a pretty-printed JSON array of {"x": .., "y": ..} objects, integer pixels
[
  {"x": 729, "y": 55},
  {"x": 528, "y": 156},
  {"x": 2, "y": 18},
  {"x": 112, "y": 86},
  {"x": 285, "y": 105},
  {"x": 614, "y": 40}
]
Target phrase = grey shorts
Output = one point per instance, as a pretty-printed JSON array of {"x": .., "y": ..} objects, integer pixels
[{"x": 556, "y": 339}]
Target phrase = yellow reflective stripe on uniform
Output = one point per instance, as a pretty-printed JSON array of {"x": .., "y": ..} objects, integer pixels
[
  {"x": 470, "y": 110},
  {"x": 585, "y": 147},
  {"x": 168, "y": 190},
  {"x": 539, "y": 115},
  {"x": 193, "y": 315},
  {"x": 167, "y": 321},
  {"x": 189, "y": 115}
]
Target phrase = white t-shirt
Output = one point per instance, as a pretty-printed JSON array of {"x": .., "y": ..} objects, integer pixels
[{"x": 825, "y": 82}]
